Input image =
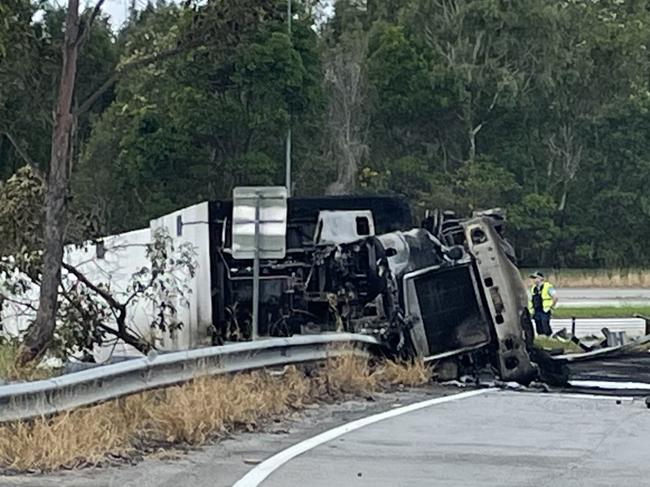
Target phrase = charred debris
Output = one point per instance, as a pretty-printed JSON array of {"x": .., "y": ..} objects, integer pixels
[{"x": 447, "y": 290}]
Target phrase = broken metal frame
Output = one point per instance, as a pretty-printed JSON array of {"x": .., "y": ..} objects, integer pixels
[{"x": 640, "y": 344}]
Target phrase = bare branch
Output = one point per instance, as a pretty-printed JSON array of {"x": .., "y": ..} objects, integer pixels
[
  {"x": 101, "y": 292},
  {"x": 129, "y": 339},
  {"x": 88, "y": 102},
  {"x": 95, "y": 13},
  {"x": 84, "y": 29},
  {"x": 25, "y": 304},
  {"x": 21, "y": 152}
]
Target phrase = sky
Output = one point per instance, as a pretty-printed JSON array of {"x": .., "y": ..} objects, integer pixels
[{"x": 117, "y": 9}]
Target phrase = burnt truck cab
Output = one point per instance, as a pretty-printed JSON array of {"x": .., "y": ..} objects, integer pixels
[
  {"x": 447, "y": 290},
  {"x": 463, "y": 296},
  {"x": 295, "y": 291}
]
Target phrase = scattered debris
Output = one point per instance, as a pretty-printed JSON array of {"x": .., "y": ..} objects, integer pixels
[{"x": 252, "y": 461}]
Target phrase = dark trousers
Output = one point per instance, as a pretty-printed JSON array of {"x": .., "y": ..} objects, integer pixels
[{"x": 543, "y": 323}]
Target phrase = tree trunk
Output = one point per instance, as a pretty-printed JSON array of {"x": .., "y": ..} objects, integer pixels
[
  {"x": 347, "y": 170},
  {"x": 473, "y": 131},
  {"x": 565, "y": 193},
  {"x": 40, "y": 333}
]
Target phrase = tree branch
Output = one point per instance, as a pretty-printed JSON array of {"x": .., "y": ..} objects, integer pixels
[
  {"x": 85, "y": 30},
  {"x": 101, "y": 292},
  {"x": 126, "y": 68},
  {"x": 4, "y": 297},
  {"x": 127, "y": 338},
  {"x": 21, "y": 152},
  {"x": 121, "y": 333}
]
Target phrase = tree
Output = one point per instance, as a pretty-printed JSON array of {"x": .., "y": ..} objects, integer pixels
[
  {"x": 225, "y": 23},
  {"x": 196, "y": 125},
  {"x": 347, "y": 114},
  {"x": 29, "y": 72},
  {"x": 533, "y": 227},
  {"x": 40, "y": 333},
  {"x": 470, "y": 45},
  {"x": 66, "y": 115}
]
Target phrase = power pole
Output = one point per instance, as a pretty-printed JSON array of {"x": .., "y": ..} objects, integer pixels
[{"x": 287, "y": 164}]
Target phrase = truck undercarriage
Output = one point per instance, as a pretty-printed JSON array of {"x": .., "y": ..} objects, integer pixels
[{"x": 447, "y": 291}]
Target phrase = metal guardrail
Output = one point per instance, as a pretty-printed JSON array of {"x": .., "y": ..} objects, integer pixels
[
  {"x": 45, "y": 397},
  {"x": 593, "y": 326}
]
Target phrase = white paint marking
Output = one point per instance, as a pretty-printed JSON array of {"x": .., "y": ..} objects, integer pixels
[
  {"x": 258, "y": 474},
  {"x": 603, "y": 384}
]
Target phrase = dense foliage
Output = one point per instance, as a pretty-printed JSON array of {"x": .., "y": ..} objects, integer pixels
[{"x": 538, "y": 106}]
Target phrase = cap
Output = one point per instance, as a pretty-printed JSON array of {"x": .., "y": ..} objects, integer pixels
[{"x": 536, "y": 274}]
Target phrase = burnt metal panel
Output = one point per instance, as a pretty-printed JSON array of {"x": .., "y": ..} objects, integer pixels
[{"x": 505, "y": 296}]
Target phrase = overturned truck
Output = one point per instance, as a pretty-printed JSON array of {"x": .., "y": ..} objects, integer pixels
[{"x": 447, "y": 290}]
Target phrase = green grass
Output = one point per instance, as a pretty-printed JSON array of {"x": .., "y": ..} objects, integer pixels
[
  {"x": 548, "y": 343},
  {"x": 602, "y": 312}
]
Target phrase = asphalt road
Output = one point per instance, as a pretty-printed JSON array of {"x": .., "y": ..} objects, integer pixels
[
  {"x": 586, "y": 297},
  {"x": 496, "y": 439},
  {"x": 605, "y": 293}
]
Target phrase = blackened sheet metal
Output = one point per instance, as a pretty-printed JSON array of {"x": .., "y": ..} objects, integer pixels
[
  {"x": 634, "y": 367},
  {"x": 626, "y": 371}
]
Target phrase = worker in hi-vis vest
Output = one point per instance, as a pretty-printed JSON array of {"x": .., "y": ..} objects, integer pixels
[{"x": 541, "y": 302}]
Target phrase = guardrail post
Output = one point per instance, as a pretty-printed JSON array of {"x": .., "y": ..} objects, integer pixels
[{"x": 573, "y": 326}]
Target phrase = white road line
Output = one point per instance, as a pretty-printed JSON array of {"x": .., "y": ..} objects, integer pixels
[
  {"x": 258, "y": 474},
  {"x": 603, "y": 384}
]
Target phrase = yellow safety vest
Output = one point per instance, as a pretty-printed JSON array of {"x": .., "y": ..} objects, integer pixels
[{"x": 547, "y": 299}]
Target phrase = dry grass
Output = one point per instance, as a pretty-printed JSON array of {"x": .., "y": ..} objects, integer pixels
[
  {"x": 9, "y": 370},
  {"x": 81, "y": 437},
  {"x": 346, "y": 375},
  {"x": 189, "y": 414},
  {"x": 630, "y": 278},
  {"x": 409, "y": 374},
  {"x": 208, "y": 407}
]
